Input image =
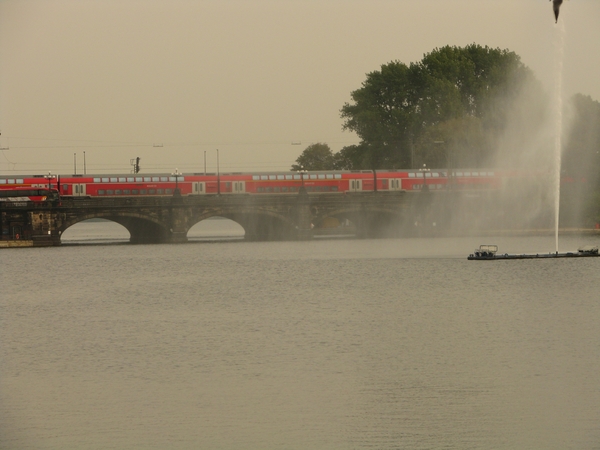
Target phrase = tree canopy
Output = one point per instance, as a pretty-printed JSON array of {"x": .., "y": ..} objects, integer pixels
[
  {"x": 407, "y": 115},
  {"x": 315, "y": 157}
]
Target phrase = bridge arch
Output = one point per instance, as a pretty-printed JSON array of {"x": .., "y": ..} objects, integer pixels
[
  {"x": 142, "y": 228},
  {"x": 215, "y": 227},
  {"x": 258, "y": 224},
  {"x": 368, "y": 222}
]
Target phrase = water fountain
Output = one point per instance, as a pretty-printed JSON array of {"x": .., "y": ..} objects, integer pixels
[
  {"x": 489, "y": 252},
  {"x": 559, "y": 44}
]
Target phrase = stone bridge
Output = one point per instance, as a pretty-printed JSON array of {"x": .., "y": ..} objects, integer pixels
[{"x": 168, "y": 219}]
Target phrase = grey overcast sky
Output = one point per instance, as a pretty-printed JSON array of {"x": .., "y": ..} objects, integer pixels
[{"x": 167, "y": 80}]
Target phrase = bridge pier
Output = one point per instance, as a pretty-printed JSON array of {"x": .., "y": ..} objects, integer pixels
[
  {"x": 177, "y": 237},
  {"x": 39, "y": 227},
  {"x": 304, "y": 216}
]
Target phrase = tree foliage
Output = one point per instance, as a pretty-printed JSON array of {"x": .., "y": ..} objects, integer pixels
[
  {"x": 453, "y": 95},
  {"x": 315, "y": 157},
  {"x": 581, "y": 158},
  {"x": 581, "y": 162}
]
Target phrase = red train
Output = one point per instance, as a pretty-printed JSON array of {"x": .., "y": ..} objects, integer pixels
[{"x": 258, "y": 183}]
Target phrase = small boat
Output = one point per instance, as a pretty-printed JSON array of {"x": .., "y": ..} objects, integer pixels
[{"x": 490, "y": 252}]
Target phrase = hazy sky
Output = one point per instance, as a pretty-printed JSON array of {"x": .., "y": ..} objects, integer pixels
[{"x": 119, "y": 78}]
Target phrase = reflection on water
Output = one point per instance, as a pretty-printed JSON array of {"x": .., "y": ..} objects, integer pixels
[{"x": 385, "y": 344}]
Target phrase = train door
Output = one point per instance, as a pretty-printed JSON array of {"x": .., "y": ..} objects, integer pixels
[
  {"x": 394, "y": 184},
  {"x": 198, "y": 188},
  {"x": 239, "y": 187},
  {"x": 355, "y": 186},
  {"x": 78, "y": 190}
]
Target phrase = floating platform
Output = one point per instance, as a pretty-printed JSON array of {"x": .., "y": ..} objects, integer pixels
[{"x": 490, "y": 253}]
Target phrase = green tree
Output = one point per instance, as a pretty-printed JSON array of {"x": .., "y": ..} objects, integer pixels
[
  {"x": 473, "y": 87},
  {"x": 580, "y": 198},
  {"x": 581, "y": 156},
  {"x": 315, "y": 157},
  {"x": 351, "y": 157}
]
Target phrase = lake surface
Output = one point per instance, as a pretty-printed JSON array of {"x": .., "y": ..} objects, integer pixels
[{"x": 328, "y": 344}]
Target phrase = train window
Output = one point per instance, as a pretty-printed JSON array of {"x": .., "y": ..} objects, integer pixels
[
  {"x": 334, "y": 188},
  {"x": 272, "y": 177},
  {"x": 143, "y": 192},
  {"x": 384, "y": 183},
  {"x": 122, "y": 179},
  {"x": 264, "y": 177},
  {"x": 458, "y": 174},
  {"x": 19, "y": 180},
  {"x": 110, "y": 192},
  {"x": 11, "y": 181},
  {"x": 135, "y": 192},
  {"x": 228, "y": 185},
  {"x": 435, "y": 174},
  {"x": 284, "y": 189},
  {"x": 105, "y": 180},
  {"x": 474, "y": 174},
  {"x": 100, "y": 191},
  {"x": 168, "y": 191},
  {"x": 164, "y": 178},
  {"x": 160, "y": 191},
  {"x": 96, "y": 180},
  {"x": 117, "y": 191},
  {"x": 139, "y": 179},
  {"x": 411, "y": 175},
  {"x": 65, "y": 187},
  {"x": 157, "y": 179},
  {"x": 152, "y": 191},
  {"x": 126, "y": 192},
  {"x": 130, "y": 179},
  {"x": 297, "y": 177},
  {"x": 329, "y": 176},
  {"x": 313, "y": 176},
  {"x": 439, "y": 186},
  {"x": 289, "y": 177},
  {"x": 321, "y": 176},
  {"x": 490, "y": 174},
  {"x": 2, "y": 181},
  {"x": 113, "y": 179},
  {"x": 467, "y": 174},
  {"x": 281, "y": 177},
  {"x": 276, "y": 189},
  {"x": 269, "y": 189},
  {"x": 255, "y": 177},
  {"x": 338, "y": 176},
  {"x": 260, "y": 189},
  {"x": 147, "y": 179}
]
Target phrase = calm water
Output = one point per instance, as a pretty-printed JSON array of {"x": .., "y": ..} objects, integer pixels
[{"x": 355, "y": 344}]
